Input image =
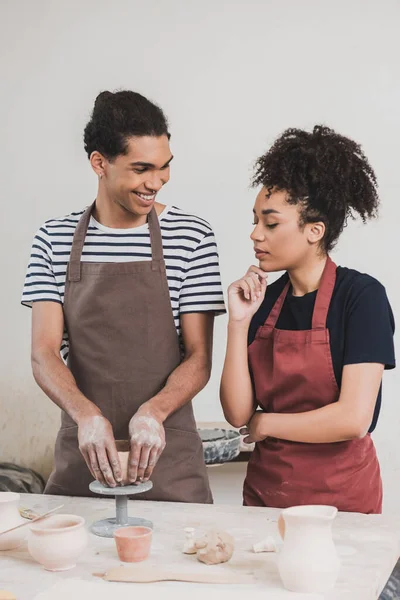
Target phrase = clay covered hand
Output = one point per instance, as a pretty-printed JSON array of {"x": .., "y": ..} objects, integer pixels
[
  {"x": 147, "y": 438},
  {"x": 215, "y": 547},
  {"x": 97, "y": 445}
]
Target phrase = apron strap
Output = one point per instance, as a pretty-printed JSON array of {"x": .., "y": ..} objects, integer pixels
[
  {"x": 74, "y": 267},
  {"x": 324, "y": 295},
  {"x": 276, "y": 309},
  {"x": 322, "y": 301},
  {"x": 157, "y": 253}
]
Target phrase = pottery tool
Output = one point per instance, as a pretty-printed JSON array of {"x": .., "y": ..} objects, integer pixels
[
  {"x": 27, "y": 513},
  {"x": 153, "y": 575},
  {"x": 38, "y": 518},
  {"x": 106, "y": 527}
]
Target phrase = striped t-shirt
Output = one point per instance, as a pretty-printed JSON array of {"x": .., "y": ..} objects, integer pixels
[{"x": 190, "y": 253}]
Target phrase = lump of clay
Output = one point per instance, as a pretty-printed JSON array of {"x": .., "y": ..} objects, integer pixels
[
  {"x": 266, "y": 545},
  {"x": 189, "y": 546},
  {"x": 215, "y": 547}
]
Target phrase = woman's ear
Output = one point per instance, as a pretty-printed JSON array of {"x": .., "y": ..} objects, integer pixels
[{"x": 315, "y": 232}]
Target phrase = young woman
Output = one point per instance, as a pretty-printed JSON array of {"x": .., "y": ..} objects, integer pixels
[{"x": 308, "y": 350}]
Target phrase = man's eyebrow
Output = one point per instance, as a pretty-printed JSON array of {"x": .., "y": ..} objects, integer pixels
[{"x": 149, "y": 165}]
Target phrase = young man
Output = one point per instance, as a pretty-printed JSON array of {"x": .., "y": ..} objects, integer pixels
[{"x": 128, "y": 289}]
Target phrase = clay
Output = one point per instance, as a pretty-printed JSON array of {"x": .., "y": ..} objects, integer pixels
[
  {"x": 189, "y": 546},
  {"x": 133, "y": 543},
  {"x": 58, "y": 541},
  {"x": 132, "y": 575},
  {"x": 10, "y": 518},
  {"x": 215, "y": 547},
  {"x": 266, "y": 545},
  {"x": 123, "y": 449}
]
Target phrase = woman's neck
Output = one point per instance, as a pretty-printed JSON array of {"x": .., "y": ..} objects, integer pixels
[{"x": 307, "y": 277}]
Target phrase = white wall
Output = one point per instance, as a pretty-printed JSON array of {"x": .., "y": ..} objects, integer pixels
[{"x": 231, "y": 75}]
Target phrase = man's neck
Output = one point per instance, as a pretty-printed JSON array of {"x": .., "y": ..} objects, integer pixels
[{"x": 113, "y": 215}]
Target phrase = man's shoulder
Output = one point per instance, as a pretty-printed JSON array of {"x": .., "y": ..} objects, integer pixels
[
  {"x": 68, "y": 221},
  {"x": 186, "y": 219}
]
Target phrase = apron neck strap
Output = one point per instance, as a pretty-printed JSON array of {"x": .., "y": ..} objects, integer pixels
[
  {"x": 276, "y": 309},
  {"x": 157, "y": 253},
  {"x": 324, "y": 295},
  {"x": 322, "y": 301},
  {"x": 74, "y": 267}
]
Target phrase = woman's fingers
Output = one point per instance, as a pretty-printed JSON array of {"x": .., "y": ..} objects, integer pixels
[
  {"x": 262, "y": 274},
  {"x": 244, "y": 286}
]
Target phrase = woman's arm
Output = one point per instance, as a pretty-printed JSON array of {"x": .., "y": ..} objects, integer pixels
[
  {"x": 236, "y": 392},
  {"x": 348, "y": 418}
]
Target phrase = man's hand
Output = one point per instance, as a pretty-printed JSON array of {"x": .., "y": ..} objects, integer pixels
[
  {"x": 147, "y": 437},
  {"x": 255, "y": 430},
  {"x": 97, "y": 445}
]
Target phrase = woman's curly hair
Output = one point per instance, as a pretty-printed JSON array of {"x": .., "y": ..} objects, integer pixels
[
  {"x": 118, "y": 116},
  {"x": 327, "y": 174}
]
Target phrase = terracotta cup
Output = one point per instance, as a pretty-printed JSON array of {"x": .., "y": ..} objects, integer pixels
[
  {"x": 123, "y": 449},
  {"x": 133, "y": 543}
]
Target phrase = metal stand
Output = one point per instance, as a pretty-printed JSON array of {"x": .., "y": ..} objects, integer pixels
[{"x": 106, "y": 527}]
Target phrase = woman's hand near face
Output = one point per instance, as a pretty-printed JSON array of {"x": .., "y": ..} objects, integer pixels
[{"x": 245, "y": 295}]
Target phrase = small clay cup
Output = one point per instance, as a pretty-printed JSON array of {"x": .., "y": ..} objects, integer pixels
[
  {"x": 123, "y": 449},
  {"x": 133, "y": 543}
]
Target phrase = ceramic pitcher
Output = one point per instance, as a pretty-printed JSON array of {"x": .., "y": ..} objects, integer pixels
[
  {"x": 308, "y": 561},
  {"x": 10, "y": 517}
]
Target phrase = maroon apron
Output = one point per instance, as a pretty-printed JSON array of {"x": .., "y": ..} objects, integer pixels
[
  {"x": 123, "y": 347},
  {"x": 293, "y": 373}
]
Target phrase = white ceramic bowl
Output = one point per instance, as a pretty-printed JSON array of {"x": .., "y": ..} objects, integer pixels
[
  {"x": 58, "y": 541},
  {"x": 10, "y": 517}
]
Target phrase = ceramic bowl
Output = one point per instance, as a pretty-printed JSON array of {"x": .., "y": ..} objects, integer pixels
[
  {"x": 10, "y": 517},
  {"x": 219, "y": 445},
  {"x": 58, "y": 541},
  {"x": 133, "y": 543}
]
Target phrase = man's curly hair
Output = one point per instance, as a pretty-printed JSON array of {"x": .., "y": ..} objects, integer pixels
[
  {"x": 118, "y": 116},
  {"x": 327, "y": 174}
]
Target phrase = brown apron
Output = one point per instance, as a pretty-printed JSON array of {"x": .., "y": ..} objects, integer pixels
[
  {"x": 123, "y": 347},
  {"x": 293, "y": 372}
]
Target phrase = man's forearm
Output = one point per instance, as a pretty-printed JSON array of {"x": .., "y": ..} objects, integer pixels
[
  {"x": 184, "y": 383},
  {"x": 58, "y": 383},
  {"x": 323, "y": 425}
]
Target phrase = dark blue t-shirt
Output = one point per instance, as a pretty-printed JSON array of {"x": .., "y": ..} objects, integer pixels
[{"x": 360, "y": 321}]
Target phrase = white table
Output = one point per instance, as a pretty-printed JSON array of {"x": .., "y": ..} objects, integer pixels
[{"x": 368, "y": 545}]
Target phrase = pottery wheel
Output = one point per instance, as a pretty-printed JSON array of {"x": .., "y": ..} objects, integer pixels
[{"x": 106, "y": 527}]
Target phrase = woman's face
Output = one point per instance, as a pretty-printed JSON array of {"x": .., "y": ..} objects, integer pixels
[{"x": 280, "y": 244}]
